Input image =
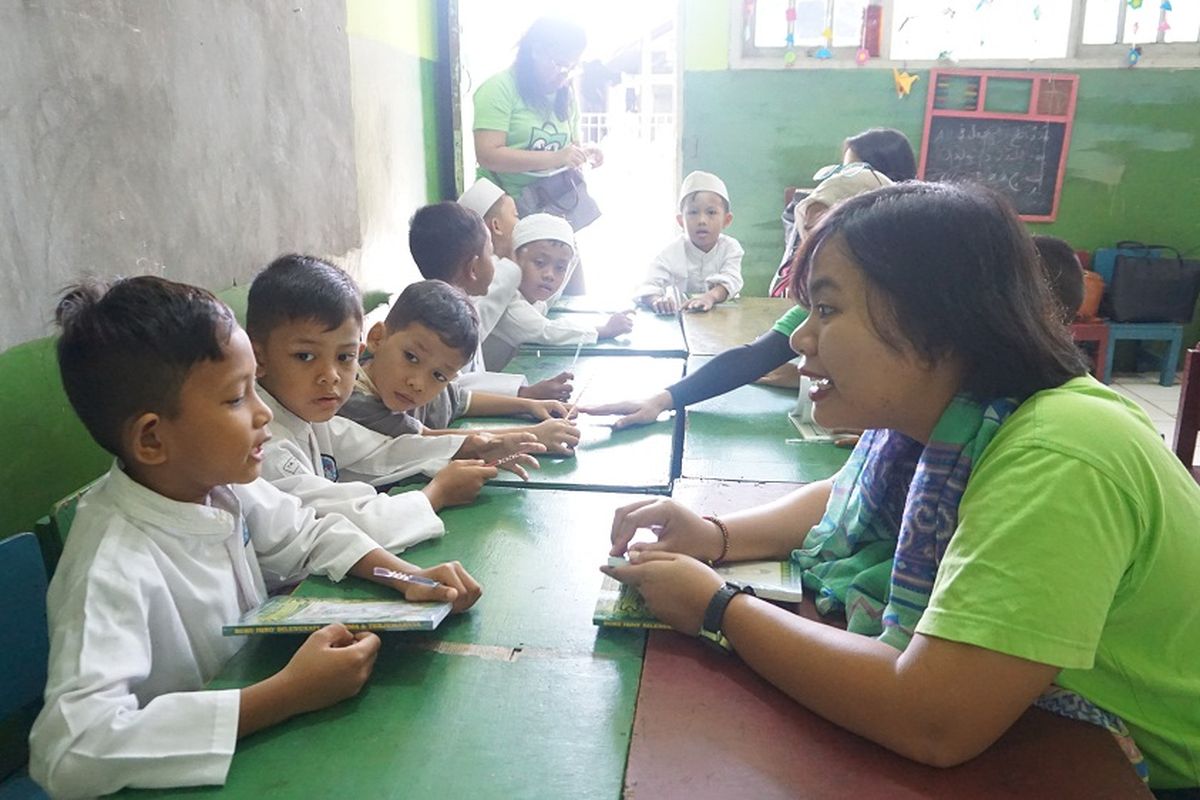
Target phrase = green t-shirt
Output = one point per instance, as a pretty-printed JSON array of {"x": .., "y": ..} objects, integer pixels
[
  {"x": 499, "y": 107},
  {"x": 1078, "y": 545},
  {"x": 793, "y": 319}
]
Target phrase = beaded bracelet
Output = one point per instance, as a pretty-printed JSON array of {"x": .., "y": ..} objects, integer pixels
[{"x": 724, "y": 540}]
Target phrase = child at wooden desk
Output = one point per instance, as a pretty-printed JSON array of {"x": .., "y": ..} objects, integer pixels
[
  {"x": 1044, "y": 540},
  {"x": 544, "y": 246},
  {"x": 414, "y": 355},
  {"x": 179, "y": 538}
]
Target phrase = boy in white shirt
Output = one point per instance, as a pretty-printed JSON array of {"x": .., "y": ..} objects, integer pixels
[
  {"x": 544, "y": 246},
  {"x": 451, "y": 242},
  {"x": 702, "y": 263},
  {"x": 304, "y": 318},
  {"x": 430, "y": 332},
  {"x": 163, "y": 552}
]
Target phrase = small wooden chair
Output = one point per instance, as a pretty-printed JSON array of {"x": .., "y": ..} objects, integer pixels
[
  {"x": 24, "y": 651},
  {"x": 1187, "y": 420}
]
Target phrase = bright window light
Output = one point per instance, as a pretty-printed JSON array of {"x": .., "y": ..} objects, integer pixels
[{"x": 975, "y": 29}]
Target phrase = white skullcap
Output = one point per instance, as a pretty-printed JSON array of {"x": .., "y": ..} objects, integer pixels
[
  {"x": 536, "y": 227},
  {"x": 482, "y": 195},
  {"x": 848, "y": 181},
  {"x": 703, "y": 182}
]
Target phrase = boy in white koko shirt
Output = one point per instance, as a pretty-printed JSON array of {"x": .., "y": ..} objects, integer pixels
[{"x": 180, "y": 538}]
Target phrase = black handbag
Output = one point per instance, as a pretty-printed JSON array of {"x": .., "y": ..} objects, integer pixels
[
  {"x": 563, "y": 194},
  {"x": 1151, "y": 283}
]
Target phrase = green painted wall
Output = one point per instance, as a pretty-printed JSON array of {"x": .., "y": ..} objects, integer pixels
[{"x": 1133, "y": 162}]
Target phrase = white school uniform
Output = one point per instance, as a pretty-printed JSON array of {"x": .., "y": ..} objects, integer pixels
[
  {"x": 136, "y": 608},
  {"x": 689, "y": 270},
  {"x": 525, "y": 322},
  {"x": 332, "y": 466},
  {"x": 491, "y": 306}
]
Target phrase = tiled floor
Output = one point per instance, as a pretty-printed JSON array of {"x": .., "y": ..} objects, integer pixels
[{"x": 1159, "y": 402}]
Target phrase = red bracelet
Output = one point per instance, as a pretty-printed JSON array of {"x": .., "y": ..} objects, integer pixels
[{"x": 724, "y": 540}]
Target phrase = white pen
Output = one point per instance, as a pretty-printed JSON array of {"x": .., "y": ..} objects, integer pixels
[{"x": 405, "y": 577}]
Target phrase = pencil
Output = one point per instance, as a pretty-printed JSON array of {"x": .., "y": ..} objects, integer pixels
[{"x": 575, "y": 360}]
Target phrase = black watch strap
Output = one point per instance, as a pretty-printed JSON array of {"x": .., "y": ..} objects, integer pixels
[{"x": 714, "y": 615}]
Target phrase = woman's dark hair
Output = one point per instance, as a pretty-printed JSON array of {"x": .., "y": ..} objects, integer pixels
[
  {"x": 126, "y": 348},
  {"x": 546, "y": 33},
  {"x": 951, "y": 270},
  {"x": 295, "y": 287},
  {"x": 887, "y": 150},
  {"x": 443, "y": 237},
  {"x": 1063, "y": 272},
  {"x": 442, "y": 308}
]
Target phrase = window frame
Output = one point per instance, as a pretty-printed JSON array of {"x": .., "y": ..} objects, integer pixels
[{"x": 1162, "y": 55}]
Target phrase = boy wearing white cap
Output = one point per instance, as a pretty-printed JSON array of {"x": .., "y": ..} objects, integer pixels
[
  {"x": 702, "y": 262},
  {"x": 544, "y": 246}
]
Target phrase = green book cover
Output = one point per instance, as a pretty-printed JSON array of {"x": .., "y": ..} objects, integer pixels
[
  {"x": 621, "y": 606},
  {"x": 291, "y": 614}
]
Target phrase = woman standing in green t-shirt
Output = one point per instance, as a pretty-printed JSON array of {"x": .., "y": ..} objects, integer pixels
[{"x": 527, "y": 117}]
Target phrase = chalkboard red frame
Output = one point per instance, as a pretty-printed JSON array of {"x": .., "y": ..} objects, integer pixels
[{"x": 1052, "y": 97}]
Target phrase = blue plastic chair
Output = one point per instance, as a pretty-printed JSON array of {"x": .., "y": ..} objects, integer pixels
[{"x": 24, "y": 651}]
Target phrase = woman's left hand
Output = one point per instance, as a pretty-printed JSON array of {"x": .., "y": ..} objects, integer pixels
[
  {"x": 595, "y": 155},
  {"x": 677, "y": 588}
]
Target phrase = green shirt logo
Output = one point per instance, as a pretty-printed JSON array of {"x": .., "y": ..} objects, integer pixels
[{"x": 546, "y": 137}]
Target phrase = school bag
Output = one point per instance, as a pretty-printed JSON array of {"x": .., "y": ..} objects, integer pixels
[{"x": 1147, "y": 283}]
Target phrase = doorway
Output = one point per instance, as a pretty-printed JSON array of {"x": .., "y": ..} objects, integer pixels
[{"x": 627, "y": 88}]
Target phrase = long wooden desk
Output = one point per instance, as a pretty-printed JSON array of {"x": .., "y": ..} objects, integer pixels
[
  {"x": 642, "y": 459},
  {"x": 520, "y": 697},
  {"x": 745, "y": 435},
  {"x": 732, "y": 323}
]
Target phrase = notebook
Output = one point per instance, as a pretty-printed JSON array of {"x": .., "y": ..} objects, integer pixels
[{"x": 286, "y": 614}]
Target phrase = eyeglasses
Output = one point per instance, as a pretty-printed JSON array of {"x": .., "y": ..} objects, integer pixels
[{"x": 846, "y": 170}]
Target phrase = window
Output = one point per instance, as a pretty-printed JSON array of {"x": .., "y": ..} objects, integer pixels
[{"x": 967, "y": 32}]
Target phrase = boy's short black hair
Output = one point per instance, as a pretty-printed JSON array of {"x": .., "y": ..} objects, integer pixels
[
  {"x": 295, "y": 287},
  {"x": 1063, "y": 272},
  {"x": 443, "y": 237},
  {"x": 689, "y": 195},
  {"x": 126, "y": 348},
  {"x": 442, "y": 308}
]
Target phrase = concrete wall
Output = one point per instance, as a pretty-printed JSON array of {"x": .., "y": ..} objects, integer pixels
[
  {"x": 393, "y": 52},
  {"x": 179, "y": 137}
]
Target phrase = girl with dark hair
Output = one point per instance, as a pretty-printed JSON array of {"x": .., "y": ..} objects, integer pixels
[
  {"x": 1007, "y": 532},
  {"x": 527, "y": 117}
]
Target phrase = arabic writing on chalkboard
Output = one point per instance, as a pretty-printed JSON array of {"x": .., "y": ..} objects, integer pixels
[{"x": 1019, "y": 158}]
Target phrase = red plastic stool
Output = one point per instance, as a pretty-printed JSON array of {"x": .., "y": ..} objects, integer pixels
[{"x": 1094, "y": 332}]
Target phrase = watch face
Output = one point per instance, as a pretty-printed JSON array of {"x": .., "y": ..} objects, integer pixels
[{"x": 716, "y": 640}]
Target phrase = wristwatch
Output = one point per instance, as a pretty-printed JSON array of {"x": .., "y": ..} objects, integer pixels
[{"x": 710, "y": 628}]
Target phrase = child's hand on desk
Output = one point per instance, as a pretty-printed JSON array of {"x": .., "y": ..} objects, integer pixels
[
  {"x": 665, "y": 303},
  {"x": 458, "y": 483},
  {"x": 559, "y": 436},
  {"x": 493, "y": 447},
  {"x": 676, "y": 588},
  {"x": 677, "y": 528},
  {"x": 451, "y": 575},
  {"x": 617, "y": 324},
  {"x": 332, "y": 665},
  {"x": 557, "y": 388},
  {"x": 548, "y": 409}
]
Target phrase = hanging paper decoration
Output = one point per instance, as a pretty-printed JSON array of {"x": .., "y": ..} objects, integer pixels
[
  {"x": 823, "y": 53},
  {"x": 1134, "y": 55},
  {"x": 1037, "y": 13},
  {"x": 789, "y": 58},
  {"x": 1164, "y": 26},
  {"x": 904, "y": 82},
  {"x": 1135, "y": 3},
  {"x": 861, "y": 56},
  {"x": 827, "y": 34},
  {"x": 1165, "y": 5}
]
